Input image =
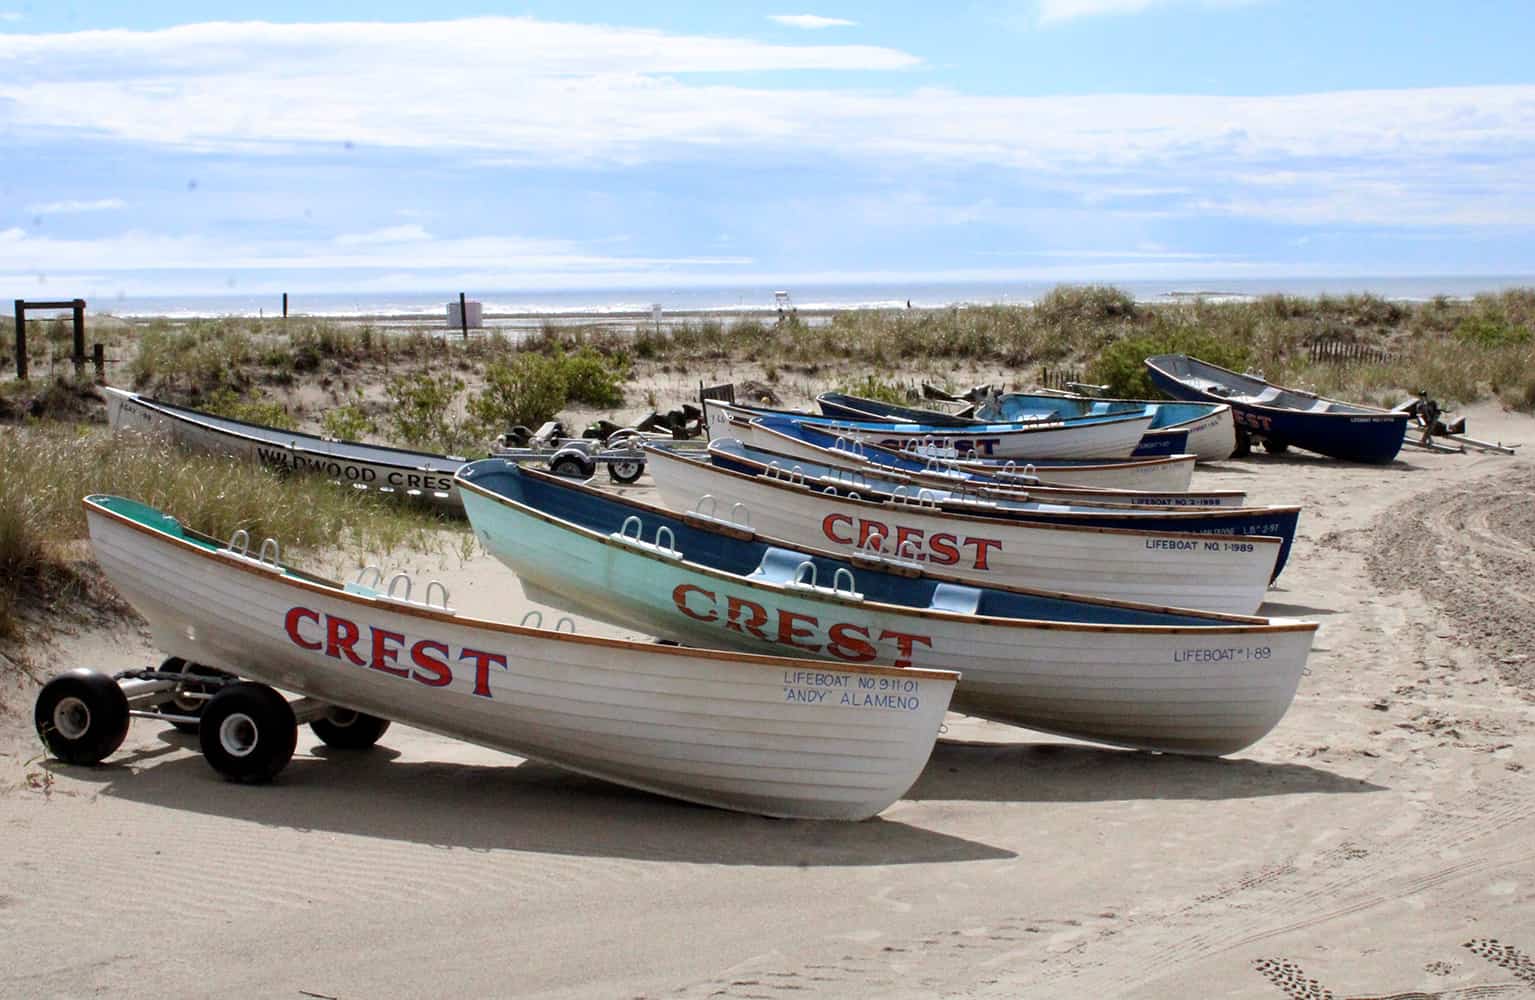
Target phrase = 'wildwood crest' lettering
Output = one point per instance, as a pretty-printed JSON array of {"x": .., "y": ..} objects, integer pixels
[
  {"x": 282, "y": 458},
  {"x": 425, "y": 661},
  {"x": 843, "y": 640}
]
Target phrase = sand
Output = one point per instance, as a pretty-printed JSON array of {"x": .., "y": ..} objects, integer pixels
[{"x": 1378, "y": 842}]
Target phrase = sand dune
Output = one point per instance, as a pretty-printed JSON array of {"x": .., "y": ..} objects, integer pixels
[{"x": 1376, "y": 843}]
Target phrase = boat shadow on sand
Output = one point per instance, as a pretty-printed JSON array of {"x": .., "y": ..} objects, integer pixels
[
  {"x": 1070, "y": 772},
  {"x": 524, "y": 806}
]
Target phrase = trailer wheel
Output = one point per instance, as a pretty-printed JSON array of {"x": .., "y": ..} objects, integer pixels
[
  {"x": 626, "y": 472},
  {"x": 345, "y": 729},
  {"x": 248, "y": 732},
  {"x": 1275, "y": 447},
  {"x": 82, "y": 716},
  {"x": 181, "y": 704},
  {"x": 573, "y": 465}
]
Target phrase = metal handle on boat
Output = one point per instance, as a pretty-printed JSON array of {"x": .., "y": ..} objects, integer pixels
[
  {"x": 853, "y": 495},
  {"x": 440, "y": 586},
  {"x": 378, "y": 576},
  {"x": 927, "y": 496},
  {"x": 909, "y": 550},
  {"x": 874, "y": 543},
  {"x": 240, "y": 541},
  {"x": 799, "y": 573},
  {"x": 276, "y": 551},
  {"x": 713, "y": 508},
  {"x": 746, "y": 514},
  {"x": 671, "y": 540},
  {"x": 623, "y": 530},
  {"x": 409, "y": 583},
  {"x": 836, "y": 581},
  {"x": 565, "y": 620},
  {"x": 537, "y": 616}
]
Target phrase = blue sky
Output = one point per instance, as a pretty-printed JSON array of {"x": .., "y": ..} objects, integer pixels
[{"x": 150, "y": 150}]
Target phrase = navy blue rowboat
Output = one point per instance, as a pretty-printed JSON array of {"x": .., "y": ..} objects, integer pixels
[{"x": 1281, "y": 417}]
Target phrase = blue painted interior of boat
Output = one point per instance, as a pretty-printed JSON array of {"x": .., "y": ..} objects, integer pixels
[
  {"x": 823, "y": 437},
  {"x": 721, "y": 551},
  {"x": 1024, "y": 405}
]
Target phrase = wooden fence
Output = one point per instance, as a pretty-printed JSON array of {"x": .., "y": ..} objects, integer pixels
[{"x": 1341, "y": 352}]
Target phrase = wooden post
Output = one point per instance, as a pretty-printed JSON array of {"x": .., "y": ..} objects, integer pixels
[
  {"x": 78, "y": 307},
  {"x": 284, "y": 305},
  {"x": 463, "y": 314},
  {"x": 21, "y": 339},
  {"x": 99, "y": 359}
]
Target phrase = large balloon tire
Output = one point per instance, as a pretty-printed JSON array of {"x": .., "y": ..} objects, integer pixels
[
  {"x": 345, "y": 729},
  {"x": 248, "y": 732},
  {"x": 82, "y": 716}
]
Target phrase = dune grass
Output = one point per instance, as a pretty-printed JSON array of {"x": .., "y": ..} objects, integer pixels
[{"x": 49, "y": 467}]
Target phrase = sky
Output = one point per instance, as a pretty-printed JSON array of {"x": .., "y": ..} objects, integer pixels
[{"x": 345, "y": 147}]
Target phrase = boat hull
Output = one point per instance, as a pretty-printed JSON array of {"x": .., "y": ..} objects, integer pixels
[
  {"x": 1161, "y": 438},
  {"x": 1279, "y": 522},
  {"x": 1208, "y": 689},
  {"x": 1211, "y": 427},
  {"x": 1171, "y": 474},
  {"x": 707, "y": 727},
  {"x": 1354, "y": 434},
  {"x": 1227, "y": 574},
  {"x": 1109, "y": 437},
  {"x": 416, "y": 476}
]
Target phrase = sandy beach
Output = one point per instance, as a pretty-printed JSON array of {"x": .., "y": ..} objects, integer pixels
[{"x": 1377, "y": 843}]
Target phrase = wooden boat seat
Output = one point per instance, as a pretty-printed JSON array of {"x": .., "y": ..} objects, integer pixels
[
  {"x": 778, "y": 565},
  {"x": 1266, "y": 396},
  {"x": 956, "y": 598}
]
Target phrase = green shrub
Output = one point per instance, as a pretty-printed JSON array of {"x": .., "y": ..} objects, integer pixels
[
  {"x": 528, "y": 390},
  {"x": 1121, "y": 366},
  {"x": 1486, "y": 329},
  {"x": 257, "y": 409},
  {"x": 423, "y": 413},
  {"x": 348, "y": 422},
  {"x": 592, "y": 379},
  {"x": 874, "y": 387}
]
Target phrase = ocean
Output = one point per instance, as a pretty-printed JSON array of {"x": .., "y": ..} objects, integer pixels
[{"x": 765, "y": 299}]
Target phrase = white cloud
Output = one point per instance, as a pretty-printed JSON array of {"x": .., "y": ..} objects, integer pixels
[
  {"x": 75, "y": 207},
  {"x": 10, "y": 15},
  {"x": 384, "y": 249},
  {"x": 811, "y": 22},
  {"x": 1056, "y": 11},
  {"x": 533, "y": 93},
  {"x": 389, "y": 234}
]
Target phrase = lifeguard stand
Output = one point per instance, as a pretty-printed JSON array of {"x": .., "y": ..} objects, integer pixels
[{"x": 785, "y": 305}]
